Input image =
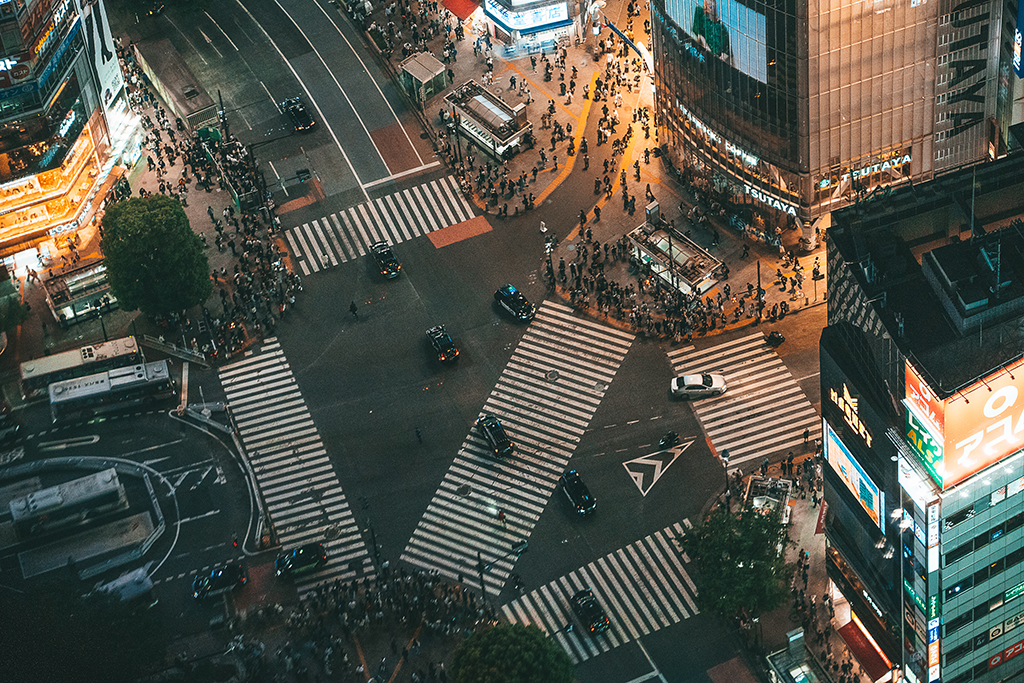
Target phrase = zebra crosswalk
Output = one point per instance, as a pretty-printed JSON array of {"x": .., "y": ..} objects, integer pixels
[
  {"x": 545, "y": 398},
  {"x": 643, "y": 587},
  {"x": 762, "y": 412},
  {"x": 303, "y": 496},
  {"x": 395, "y": 218}
]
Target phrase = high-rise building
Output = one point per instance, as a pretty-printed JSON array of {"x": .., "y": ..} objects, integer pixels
[
  {"x": 797, "y": 108},
  {"x": 922, "y": 383},
  {"x": 64, "y": 118}
]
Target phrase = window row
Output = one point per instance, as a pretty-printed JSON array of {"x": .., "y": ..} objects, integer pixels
[
  {"x": 984, "y": 538},
  {"x": 985, "y": 573}
]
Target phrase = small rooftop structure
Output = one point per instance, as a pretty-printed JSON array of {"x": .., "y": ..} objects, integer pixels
[
  {"x": 939, "y": 269},
  {"x": 423, "y": 76},
  {"x": 488, "y": 119},
  {"x": 675, "y": 259}
]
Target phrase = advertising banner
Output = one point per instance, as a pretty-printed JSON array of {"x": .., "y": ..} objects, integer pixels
[
  {"x": 969, "y": 431},
  {"x": 854, "y": 476},
  {"x": 101, "y": 48}
]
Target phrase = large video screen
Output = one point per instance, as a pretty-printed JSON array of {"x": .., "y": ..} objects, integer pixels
[
  {"x": 727, "y": 29},
  {"x": 854, "y": 476}
]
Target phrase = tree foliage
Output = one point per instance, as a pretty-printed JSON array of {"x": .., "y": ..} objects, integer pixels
[
  {"x": 155, "y": 263},
  {"x": 740, "y": 568},
  {"x": 56, "y": 635},
  {"x": 511, "y": 654}
]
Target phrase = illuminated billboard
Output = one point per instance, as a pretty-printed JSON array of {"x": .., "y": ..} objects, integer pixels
[
  {"x": 1017, "y": 68},
  {"x": 529, "y": 21},
  {"x": 971, "y": 429},
  {"x": 854, "y": 476},
  {"x": 728, "y": 29}
]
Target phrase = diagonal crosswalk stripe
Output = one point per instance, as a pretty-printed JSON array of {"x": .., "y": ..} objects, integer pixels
[
  {"x": 545, "y": 398},
  {"x": 642, "y": 587},
  {"x": 304, "y": 498},
  {"x": 763, "y": 412}
]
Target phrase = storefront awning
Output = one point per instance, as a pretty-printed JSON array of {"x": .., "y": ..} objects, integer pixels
[
  {"x": 866, "y": 654},
  {"x": 461, "y": 8}
]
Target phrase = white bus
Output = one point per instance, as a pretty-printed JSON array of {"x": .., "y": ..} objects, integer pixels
[
  {"x": 69, "y": 504},
  {"x": 111, "y": 391},
  {"x": 38, "y": 374}
]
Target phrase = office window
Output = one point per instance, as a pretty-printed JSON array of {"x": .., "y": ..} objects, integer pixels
[
  {"x": 953, "y": 625},
  {"x": 959, "y": 652},
  {"x": 960, "y": 588},
  {"x": 959, "y": 553}
]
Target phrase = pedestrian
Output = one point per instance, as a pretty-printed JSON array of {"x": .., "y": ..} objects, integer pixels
[
  {"x": 419, "y": 435},
  {"x": 353, "y": 309},
  {"x": 807, "y": 436}
]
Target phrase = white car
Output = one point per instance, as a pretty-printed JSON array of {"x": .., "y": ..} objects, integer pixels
[{"x": 698, "y": 386}]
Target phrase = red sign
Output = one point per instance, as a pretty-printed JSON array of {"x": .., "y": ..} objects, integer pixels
[
  {"x": 984, "y": 423},
  {"x": 979, "y": 426},
  {"x": 1006, "y": 655}
]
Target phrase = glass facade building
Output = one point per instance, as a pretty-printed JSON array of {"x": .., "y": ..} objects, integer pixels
[
  {"x": 64, "y": 117},
  {"x": 803, "y": 106}
]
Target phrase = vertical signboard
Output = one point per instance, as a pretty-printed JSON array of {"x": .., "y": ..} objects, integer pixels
[
  {"x": 101, "y": 49},
  {"x": 1017, "y": 67}
]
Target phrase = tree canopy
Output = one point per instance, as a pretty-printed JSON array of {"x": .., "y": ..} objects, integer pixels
[
  {"x": 56, "y": 635},
  {"x": 510, "y": 654},
  {"x": 155, "y": 263},
  {"x": 740, "y": 569}
]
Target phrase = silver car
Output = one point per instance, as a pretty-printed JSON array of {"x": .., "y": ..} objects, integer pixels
[{"x": 698, "y": 386}]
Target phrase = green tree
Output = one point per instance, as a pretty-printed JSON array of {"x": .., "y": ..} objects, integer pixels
[
  {"x": 510, "y": 654},
  {"x": 56, "y": 635},
  {"x": 739, "y": 565},
  {"x": 155, "y": 263}
]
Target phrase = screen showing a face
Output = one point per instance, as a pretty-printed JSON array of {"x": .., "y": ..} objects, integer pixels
[{"x": 727, "y": 29}]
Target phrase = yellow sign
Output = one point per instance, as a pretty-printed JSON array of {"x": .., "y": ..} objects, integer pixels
[{"x": 848, "y": 405}]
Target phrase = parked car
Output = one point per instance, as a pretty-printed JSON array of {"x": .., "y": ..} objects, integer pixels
[
  {"x": 218, "y": 581},
  {"x": 589, "y": 611},
  {"x": 495, "y": 434},
  {"x": 387, "y": 262},
  {"x": 698, "y": 386},
  {"x": 302, "y": 122},
  {"x": 577, "y": 493},
  {"x": 442, "y": 342},
  {"x": 513, "y": 301},
  {"x": 301, "y": 560}
]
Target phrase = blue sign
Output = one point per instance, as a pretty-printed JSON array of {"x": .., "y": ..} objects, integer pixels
[{"x": 529, "y": 21}]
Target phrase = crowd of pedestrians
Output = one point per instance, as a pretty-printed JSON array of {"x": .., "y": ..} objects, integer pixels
[
  {"x": 254, "y": 287},
  {"x": 407, "y": 618}
]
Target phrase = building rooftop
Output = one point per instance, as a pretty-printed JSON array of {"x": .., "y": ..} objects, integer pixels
[
  {"x": 942, "y": 265},
  {"x": 488, "y": 110}
]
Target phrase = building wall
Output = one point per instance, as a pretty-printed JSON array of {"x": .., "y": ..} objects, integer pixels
[
  {"x": 818, "y": 102},
  {"x": 982, "y": 558},
  {"x": 871, "y": 82}
]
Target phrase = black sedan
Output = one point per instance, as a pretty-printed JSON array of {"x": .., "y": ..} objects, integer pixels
[
  {"x": 222, "y": 580},
  {"x": 513, "y": 301},
  {"x": 496, "y": 436},
  {"x": 442, "y": 342},
  {"x": 577, "y": 493},
  {"x": 387, "y": 262},
  {"x": 302, "y": 122},
  {"x": 301, "y": 560},
  {"x": 589, "y": 611}
]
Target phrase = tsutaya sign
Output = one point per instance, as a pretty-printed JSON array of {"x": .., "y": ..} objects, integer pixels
[
  {"x": 889, "y": 164},
  {"x": 769, "y": 200}
]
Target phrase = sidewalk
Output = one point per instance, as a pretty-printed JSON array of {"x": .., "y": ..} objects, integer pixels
[{"x": 808, "y": 608}]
